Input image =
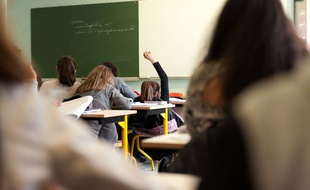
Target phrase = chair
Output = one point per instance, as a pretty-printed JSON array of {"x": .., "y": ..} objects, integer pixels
[
  {"x": 98, "y": 105},
  {"x": 119, "y": 144},
  {"x": 176, "y": 95},
  {"x": 143, "y": 132},
  {"x": 136, "y": 140}
]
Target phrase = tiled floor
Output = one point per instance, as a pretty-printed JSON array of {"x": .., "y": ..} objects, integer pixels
[{"x": 146, "y": 167}]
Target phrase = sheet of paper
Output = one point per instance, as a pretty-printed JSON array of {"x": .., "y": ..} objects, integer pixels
[{"x": 75, "y": 107}]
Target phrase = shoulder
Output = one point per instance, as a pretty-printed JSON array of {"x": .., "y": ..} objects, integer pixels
[
  {"x": 118, "y": 79},
  {"x": 109, "y": 89},
  {"x": 76, "y": 85},
  {"x": 118, "y": 82},
  {"x": 49, "y": 84}
]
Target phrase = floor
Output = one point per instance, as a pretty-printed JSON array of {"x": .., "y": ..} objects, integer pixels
[{"x": 146, "y": 167}]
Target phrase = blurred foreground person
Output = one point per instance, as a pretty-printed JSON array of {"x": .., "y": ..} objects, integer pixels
[
  {"x": 253, "y": 40},
  {"x": 265, "y": 143}
]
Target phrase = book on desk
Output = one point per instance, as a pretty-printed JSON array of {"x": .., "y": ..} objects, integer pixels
[
  {"x": 149, "y": 103},
  {"x": 75, "y": 107}
]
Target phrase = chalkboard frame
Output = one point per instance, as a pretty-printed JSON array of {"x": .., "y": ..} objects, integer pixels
[{"x": 89, "y": 33}]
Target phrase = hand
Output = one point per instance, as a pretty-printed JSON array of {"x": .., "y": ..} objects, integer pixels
[{"x": 148, "y": 55}]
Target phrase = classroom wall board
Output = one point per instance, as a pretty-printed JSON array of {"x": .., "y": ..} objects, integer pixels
[
  {"x": 177, "y": 32},
  {"x": 89, "y": 33}
]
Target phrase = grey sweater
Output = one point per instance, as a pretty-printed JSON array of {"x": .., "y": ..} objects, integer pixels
[{"x": 109, "y": 96}]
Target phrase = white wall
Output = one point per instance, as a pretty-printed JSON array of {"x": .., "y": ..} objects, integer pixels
[
  {"x": 3, "y": 5},
  {"x": 174, "y": 30}
]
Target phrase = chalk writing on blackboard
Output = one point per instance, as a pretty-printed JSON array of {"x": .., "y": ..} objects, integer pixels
[{"x": 82, "y": 27}]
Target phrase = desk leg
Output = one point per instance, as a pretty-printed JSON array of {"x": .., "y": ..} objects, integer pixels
[
  {"x": 165, "y": 121},
  {"x": 124, "y": 125}
]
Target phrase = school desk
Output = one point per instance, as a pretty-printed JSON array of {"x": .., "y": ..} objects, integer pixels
[
  {"x": 176, "y": 181},
  {"x": 174, "y": 141},
  {"x": 177, "y": 102},
  {"x": 113, "y": 116},
  {"x": 161, "y": 109}
]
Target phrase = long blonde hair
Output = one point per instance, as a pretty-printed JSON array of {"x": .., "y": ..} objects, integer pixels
[{"x": 97, "y": 79}]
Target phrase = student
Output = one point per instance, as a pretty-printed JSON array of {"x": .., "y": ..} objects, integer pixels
[
  {"x": 151, "y": 91},
  {"x": 126, "y": 91},
  {"x": 99, "y": 85},
  {"x": 265, "y": 139},
  {"x": 153, "y": 125},
  {"x": 253, "y": 40},
  {"x": 119, "y": 83},
  {"x": 39, "y": 147},
  {"x": 65, "y": 85}
]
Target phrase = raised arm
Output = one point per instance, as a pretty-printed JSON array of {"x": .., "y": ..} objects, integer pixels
[{"x": 162, "y": 75}]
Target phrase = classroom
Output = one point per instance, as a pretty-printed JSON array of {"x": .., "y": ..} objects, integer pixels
[
  {"x": 177, "y": 32},
  {"x": 185, "y": 24}
]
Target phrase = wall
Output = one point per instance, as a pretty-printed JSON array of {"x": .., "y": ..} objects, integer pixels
[
  {"x": 177, "y": 32},
  {"x": 174, "y": 55}
]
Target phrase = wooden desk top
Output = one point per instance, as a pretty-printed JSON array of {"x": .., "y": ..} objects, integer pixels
[
  {"x": 171, "y": 141},
  {"x": 176, "y": 181},
  {"x": 177, "y": 101},
  {"x": 108, "y": 113},
  {"x": 151, "y": 107}
]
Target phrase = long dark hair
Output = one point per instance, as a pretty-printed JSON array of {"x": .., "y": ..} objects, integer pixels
[
  {"x": 253, "y": 39},
  {"x": 113, "y": 68},
  {"x": 149, "y": 90},
  {"x": 66, "y": 68}
]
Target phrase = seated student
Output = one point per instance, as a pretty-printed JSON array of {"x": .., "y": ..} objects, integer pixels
[
  {"x": 126, "y": 91},
  {"x": 228, "y": 70},
  {"x": 38, "y": 147},
  {"x": 99, "y": 85},
  {"x": 65, "y": 85},
  {"x": 119, "y": 83},
  {"x": 151, "y": 91},
  {"x": 153, "y": 125}
]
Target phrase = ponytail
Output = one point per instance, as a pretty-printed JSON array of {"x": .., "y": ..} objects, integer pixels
[{"x": 147, "y": 91}]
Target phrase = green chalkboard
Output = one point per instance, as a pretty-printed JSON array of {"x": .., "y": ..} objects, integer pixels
[{"x": 89, "y": 33}]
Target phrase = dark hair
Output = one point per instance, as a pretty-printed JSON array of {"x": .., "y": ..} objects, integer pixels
[
  {"x": 253, "y": 39},
  {"x": 113, "y": 68},
  {"x": 66, "y": 68},
  {"x": 40, "y": 81},
  {"x": 149, "y": 90},
  {"x": 13, "y": 68}
]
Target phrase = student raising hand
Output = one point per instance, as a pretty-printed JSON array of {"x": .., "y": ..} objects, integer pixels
[{"x": 148, "y": 55}]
